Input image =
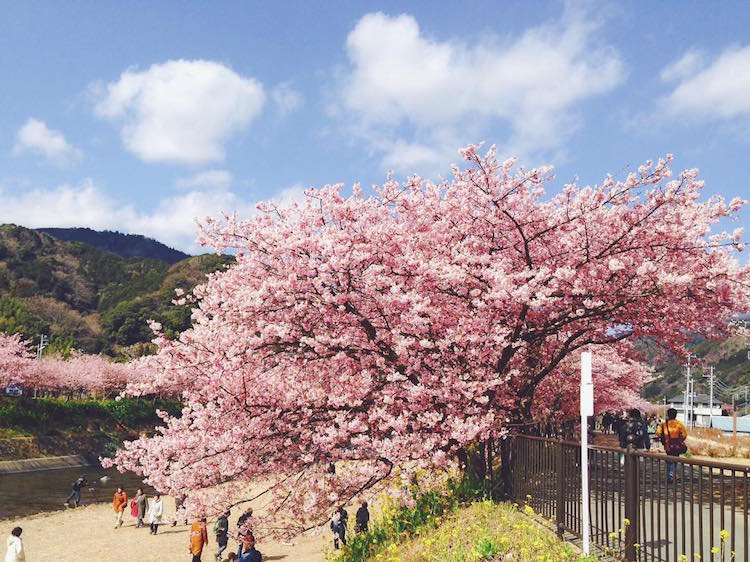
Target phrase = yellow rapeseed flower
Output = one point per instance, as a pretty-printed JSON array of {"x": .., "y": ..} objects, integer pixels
[{"x": 723, "y": 534}]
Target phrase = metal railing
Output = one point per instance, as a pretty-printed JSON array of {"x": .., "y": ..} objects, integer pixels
[{"x": 703, "y": 505}]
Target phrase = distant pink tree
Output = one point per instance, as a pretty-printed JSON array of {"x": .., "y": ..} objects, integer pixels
[
  {"x": 15, "y": 360},
  {"x": 369, "y": 332},
  {"x": 618, "y": 380},
  {"x": 79, "y": 374}
]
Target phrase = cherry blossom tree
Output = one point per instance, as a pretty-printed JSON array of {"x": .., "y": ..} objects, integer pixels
[
  {"x": 15, "y": 359},
  {"x": 357, "y": 334},
  {"x": 80, "y": 374}
]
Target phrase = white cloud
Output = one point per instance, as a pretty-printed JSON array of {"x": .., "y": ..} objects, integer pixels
[
  {"x": 400, "y": 78},
  {"x": 215, "y": 179},
  {"x": 181, "y": 111},
  {"x": 287, "y": 99},
  {"x": 171, "y": 221},
  {"x": 719, "y": 91},
  {"x": 37, "y": 138},
  {"x": 683, "y": 67},
  {"x": 63, "y": 206}
]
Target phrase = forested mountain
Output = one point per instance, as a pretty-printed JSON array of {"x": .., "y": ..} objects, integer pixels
[
  {"x": 123, "y": 245},
  {"x": 87, "y": 298},
  {"x": 729, "y": 358}
]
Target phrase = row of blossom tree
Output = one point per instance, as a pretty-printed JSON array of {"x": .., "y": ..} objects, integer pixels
[
  {"x": 79, "y": 375},
  {"x": 360, "y": 334}
]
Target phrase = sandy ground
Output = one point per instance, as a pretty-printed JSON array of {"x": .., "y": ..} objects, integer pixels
[{"x": 86, "y": 534}]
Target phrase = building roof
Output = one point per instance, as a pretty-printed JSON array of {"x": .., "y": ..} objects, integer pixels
[
  {"x": 725, "y": 423},
  {"x": 699, "y": 399}
]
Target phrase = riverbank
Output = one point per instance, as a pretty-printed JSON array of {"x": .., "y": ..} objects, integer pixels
[
  {"x": 87, "y": 533},
  {"x": 32, "y": 428},
  {"x": 44, "y": 463}
]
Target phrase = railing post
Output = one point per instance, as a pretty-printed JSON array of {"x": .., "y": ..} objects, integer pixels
[
  {"x": 560, "y": 483},
  {"x": 631, "y": 504}
]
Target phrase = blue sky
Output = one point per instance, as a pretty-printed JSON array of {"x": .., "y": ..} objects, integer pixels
[{"x": 139, "y": 117}]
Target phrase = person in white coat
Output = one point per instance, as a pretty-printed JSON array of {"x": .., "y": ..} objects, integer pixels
[
  {"x": 15, "y": 547},
  {"x": 155, "y": 511}
]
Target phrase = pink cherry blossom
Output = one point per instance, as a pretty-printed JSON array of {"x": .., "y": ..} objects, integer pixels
[{"x": 359, "y": 334}]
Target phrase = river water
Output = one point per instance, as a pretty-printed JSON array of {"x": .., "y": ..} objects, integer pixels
[{"x": 27, "y": 493}]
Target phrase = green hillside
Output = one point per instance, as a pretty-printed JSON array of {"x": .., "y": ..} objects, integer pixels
[
  {"x": 87, "y": 298},
  {"x": 728, "y": 357}
]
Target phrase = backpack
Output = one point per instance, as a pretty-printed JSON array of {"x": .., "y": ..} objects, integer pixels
[
  {"x": 674, "y": 447},
  {"x": 634, "y": 432}
]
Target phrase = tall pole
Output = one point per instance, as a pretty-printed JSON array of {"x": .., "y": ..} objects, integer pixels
[
  {"x": 711, "y": 398},
  {"x": 734, "y": 424},
  {"x": 688, "y": 390},
  {"x": 587, "y": 409}
]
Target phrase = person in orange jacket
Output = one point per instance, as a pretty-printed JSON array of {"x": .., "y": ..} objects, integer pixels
[
  {"x": 198, "y": 538},
  {"x": 119, "y": 503},
  {"x": 672, "y": 434}
]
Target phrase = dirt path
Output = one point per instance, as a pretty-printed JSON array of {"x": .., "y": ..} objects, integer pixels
[{"x": 86, "y": 534}]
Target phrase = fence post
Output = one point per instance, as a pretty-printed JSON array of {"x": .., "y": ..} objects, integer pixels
[
  {"x": 560, "y": 483},
  {"x": 631, "y": 504}
]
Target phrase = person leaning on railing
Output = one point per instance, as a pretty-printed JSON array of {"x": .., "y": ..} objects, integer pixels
[{"x": 672, "y": 435}]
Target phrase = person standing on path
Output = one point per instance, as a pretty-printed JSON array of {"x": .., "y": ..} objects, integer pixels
[
  {"x": 141, "y": 505},
  {"x": 75, "y": 491},
  {"x": 362, "y": 518},
  {"x": 154, "y": 513},
  {"x": 14, "y": 552},
  {"x": 198, "y": 538},
  {"x": 119, "y": 503},
  {"x": 221, "y": 530},
  {"x": 672, "y": 435},
  {"x": 249, "y": 553}
]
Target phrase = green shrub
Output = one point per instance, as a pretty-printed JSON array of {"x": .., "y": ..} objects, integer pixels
[{"x": 44, "y": 414}]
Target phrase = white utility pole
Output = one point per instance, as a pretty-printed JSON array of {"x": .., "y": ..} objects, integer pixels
[
  {"x": 587, "y": 409},
  {"x": 711, "y": 378},
  {"x": 688, "y": 393},
  {"x": 43, "y": 342}
]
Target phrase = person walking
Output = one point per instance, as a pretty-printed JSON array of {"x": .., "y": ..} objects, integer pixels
[
  {"x": 249, "y": 552},
  {"x": 672, "y": 434},
  {"x": 634, "y": 431},
  {"x": 75, "y": 491},
  {"x": 198, "y": 538},
  {"x": 14, "y": 546},
  {"x": 119, "y": 503},
  {"x": 179, "y": 500},
  {"x": 221, "y": 530},
  {"x": 155, "y": 511},
  {"x": 338, "y": 527},
  {"x": 362, "y": 518},
  {"x": 244, "y": 526},
  {"x": 141, "y": 506}
]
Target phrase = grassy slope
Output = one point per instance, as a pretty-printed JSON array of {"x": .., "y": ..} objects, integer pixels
[{"x": 481, "y": 531}]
